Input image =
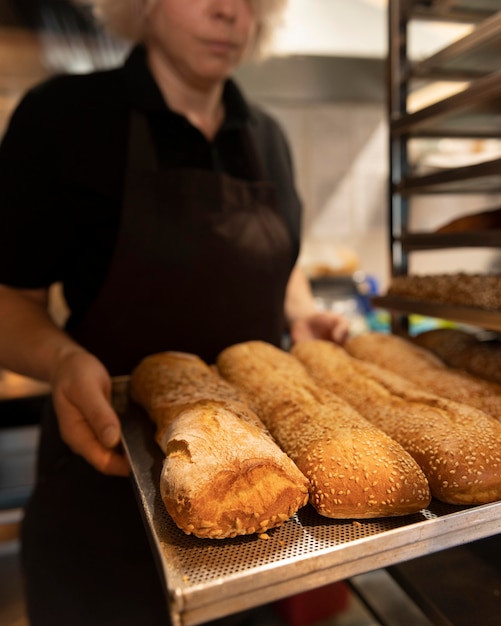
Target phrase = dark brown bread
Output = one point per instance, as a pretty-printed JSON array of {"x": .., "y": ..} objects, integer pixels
[
  {"x": 355, "y": 470},
  {"x": 457, "y": 447},
  {"x": 425, "y": 370},
  {"x": 483, "y": 220},
  {"x": 223, "y": 474}
]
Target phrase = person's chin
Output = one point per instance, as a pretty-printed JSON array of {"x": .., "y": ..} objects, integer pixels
[{"x": 217, "y": 71}]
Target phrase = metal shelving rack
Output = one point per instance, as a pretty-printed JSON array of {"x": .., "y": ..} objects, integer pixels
[
  {"x": 473, "y": 113},
  {"x": 445, "y": 579}
]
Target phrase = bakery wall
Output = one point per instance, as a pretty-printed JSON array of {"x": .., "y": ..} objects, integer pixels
[{"x": 333, "y": 110}]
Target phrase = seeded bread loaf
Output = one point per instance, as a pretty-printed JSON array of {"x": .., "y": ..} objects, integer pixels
[
  {"x": 223, "y": 475},
  {"x": 355, "y": 470},
  {"x": 463, "y": 350},
  {"x": 457, "y": 447},
  {"x": 426, "y": 370},
  {"x": 481, "y": 291}
]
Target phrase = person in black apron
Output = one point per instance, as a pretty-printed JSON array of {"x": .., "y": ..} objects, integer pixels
[{"x": 201, "y": 259}]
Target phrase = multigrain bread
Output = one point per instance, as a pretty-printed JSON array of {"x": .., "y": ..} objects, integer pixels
[
  {"x": 223, "y": 475},
  {"x": 426, "y": 370},
  {"x": 463, "y": 350},
  {"x": 355, "y": 470},
  {"x": 482, "y": 291},
  {"x": 457, "y": 447}
]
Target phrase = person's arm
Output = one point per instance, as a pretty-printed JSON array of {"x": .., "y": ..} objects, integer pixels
[
  {"x": 32, "y": 345},
  {"x": 304, "y": 319}
]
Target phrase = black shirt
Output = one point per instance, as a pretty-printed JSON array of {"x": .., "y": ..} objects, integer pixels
[{"x": 62, "y": 164}]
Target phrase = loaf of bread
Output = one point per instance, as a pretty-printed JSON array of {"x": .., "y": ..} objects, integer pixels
[
  {"x": 223, "y": 475},
  {"x": 457, "y": 447},
  {"x": 423, "y": 368},
  {"x": 483, "y": 220},
  {"x": 355, "y": 470},
  {"x": 463, "y": 350},
  {"x": 482, "y": 291}
]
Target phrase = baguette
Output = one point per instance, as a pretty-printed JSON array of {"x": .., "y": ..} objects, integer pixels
[
  {"x": 223, "y": 475},
  {"x": 458, "y": 447},
  {"x": 355, "y": 470},
  {"x": 464, "y": 351},
  {"x": 426, "y": 370}
]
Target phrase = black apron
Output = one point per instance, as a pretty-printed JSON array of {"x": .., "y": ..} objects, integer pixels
[{"x": 201, "y": 261}]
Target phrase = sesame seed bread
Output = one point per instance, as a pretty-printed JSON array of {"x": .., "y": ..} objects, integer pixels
[
  {"x": 426, "y": 370},
  {"x": 464, "y": 351},
  {"x": 223, "y": 475},
  {"x": 457, "y": 447},
  {"x": 355, "y": 470}
]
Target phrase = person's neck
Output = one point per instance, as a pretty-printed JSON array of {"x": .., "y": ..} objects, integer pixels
[{"x": 201, "y": 104}]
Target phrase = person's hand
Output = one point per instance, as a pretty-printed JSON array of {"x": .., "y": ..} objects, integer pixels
[
  {"x": 87, "y": 422},
  {"x": 326, "y": 325}
]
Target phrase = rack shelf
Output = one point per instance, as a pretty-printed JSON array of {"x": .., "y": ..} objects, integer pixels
[
  {"x": 479, "y": 178},
  {"x": 473, "y": 112},
  {"x": 489, "y": 320},
  {"x": 471, "y": 57},
  {"x": 455, "y": 10},
  {"x": 437, "y": 241}
]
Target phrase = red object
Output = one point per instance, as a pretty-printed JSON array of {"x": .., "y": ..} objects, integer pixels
[{"x": 313, "y": 606}]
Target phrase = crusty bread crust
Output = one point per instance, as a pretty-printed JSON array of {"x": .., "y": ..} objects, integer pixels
[
  {"x": 223, "y": 475},
  {"x": 355, "y": 470},
  {"x": 463, "y": 351},
  {"x": 426, "y": 370},
  {"x": 457, "y": 446}
]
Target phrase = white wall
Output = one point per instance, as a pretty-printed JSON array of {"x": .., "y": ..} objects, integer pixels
[
  {"x": 356, "y": 28},
  {"x": 341, "y": 159}
]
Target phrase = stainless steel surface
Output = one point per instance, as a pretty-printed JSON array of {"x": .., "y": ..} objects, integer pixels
[
  {"x": 386, "y": 600},
  {"x": 207, "y": 579}
]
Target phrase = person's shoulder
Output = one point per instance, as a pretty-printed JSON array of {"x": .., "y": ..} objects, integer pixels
[
  {"x": 261, "y": 116},
  {"x": 76, "y": 90},
  {"x": 269, "y": 133},
  {"x": 68, "y": 102},
  {"x": 266, "y": 125}
]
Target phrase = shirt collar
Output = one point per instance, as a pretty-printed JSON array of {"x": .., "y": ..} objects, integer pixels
[{"x": 145, "y": 95}]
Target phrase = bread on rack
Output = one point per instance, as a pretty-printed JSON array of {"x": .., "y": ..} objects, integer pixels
[
  {"x": 427, "y": 371},
  {"x": 457, "y": 447},
  {"x": 223, "y": 475},
  {"x": 482, "y": 220},
  {"x": 463, "y": 350},
  {"x": 481, "y": 291},
  {"x": 355, "y": 470}
]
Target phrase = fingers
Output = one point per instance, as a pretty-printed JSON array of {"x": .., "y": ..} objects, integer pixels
[
  {"x": 300, "y": 331},
  {"x": 340, "y": 330},
  {"x": 87, "y": 421},
  {"x": 82, "y": 436},
  {"x": 325, "y": 325}
]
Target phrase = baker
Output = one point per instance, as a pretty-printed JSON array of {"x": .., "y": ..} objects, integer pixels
[{"x": 164, "y": 203}]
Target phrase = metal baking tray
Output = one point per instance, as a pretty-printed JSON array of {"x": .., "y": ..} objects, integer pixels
[{"x": 206, "y": 579}]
